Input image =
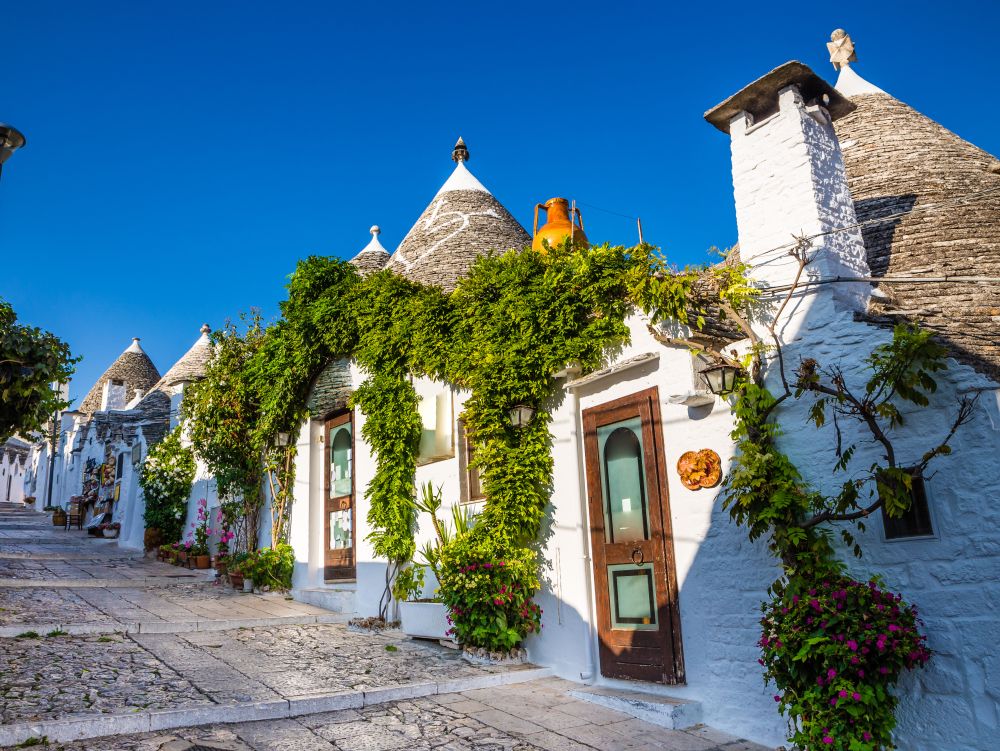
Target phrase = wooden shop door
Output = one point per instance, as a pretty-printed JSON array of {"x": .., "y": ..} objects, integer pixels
[
  {"x": 638, "y": 617},
  {"x": 339, "y": 522}
]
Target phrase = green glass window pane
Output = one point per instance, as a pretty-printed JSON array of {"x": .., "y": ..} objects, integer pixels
[
  {"x": 623, "y": 481},
  {"x": 340, "y": 461},
  {"x": 340, "y": 529},
  {"x": 633, "y": 597}
]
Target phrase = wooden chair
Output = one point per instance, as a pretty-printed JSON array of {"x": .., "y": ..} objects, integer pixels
[{"x": 74, "y": 515}]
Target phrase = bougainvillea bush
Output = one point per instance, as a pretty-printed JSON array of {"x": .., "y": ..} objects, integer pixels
[
  {"x": 489, "y": 594},
  {"x": 165, "y": 479},
  {"x": 835, "y": 648}
]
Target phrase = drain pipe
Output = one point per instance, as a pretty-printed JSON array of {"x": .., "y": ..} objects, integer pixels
[{"x": 587, "y": 558}]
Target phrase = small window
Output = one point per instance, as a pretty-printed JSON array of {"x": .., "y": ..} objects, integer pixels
[
  {"x": 436, "y": 417},
  {"x": 472, "y": 485},
  {"x": 120, "y": 469},
  {"x": 916, "y": 522}
]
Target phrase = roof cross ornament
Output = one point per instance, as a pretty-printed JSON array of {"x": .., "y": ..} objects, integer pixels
[
  {"x": 841, "y": 49},
  {"x": 460, "y": 153}
]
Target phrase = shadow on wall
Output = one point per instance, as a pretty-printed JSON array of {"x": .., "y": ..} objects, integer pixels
[{"x": 881, "y": 217}]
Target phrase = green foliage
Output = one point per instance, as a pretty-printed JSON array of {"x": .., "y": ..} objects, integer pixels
[
  {"x": 833, "y": 648},
  {"x": 222, "y": 412},
  {"x": 409, "y": 584},
  {"x": 271, "y": 567},
  {"x": 165, "y": 478},
  {"x": 462, "y": 522},
  {"x": 392, "y": 428},
  {"x": 488, "y": 591},
  {"x": 31, "y": 360}
]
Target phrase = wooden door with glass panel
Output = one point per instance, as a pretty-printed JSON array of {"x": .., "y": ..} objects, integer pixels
[
  {"x": 338, "y": 533},
  {"x": 634, "y": 575}
]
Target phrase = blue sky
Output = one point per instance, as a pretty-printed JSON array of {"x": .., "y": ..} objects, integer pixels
[{"x": 182, "y": 156}]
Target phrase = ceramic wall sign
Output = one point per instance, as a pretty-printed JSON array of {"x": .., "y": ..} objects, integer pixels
[{"x": 700, "y": 469}]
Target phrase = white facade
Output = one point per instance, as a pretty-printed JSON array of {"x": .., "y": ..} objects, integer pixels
[{"x": 789, "y": 182}]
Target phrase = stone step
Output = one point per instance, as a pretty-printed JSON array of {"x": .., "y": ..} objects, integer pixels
[
  {"x": 338, "y": 598},
  {"x": 665, "y": 711}
]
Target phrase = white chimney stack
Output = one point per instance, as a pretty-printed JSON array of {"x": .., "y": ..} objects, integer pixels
[{"x": 789, "y": 181}]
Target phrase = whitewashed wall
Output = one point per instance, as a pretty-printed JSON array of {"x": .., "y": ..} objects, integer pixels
[{"x": 789, "y": 179}]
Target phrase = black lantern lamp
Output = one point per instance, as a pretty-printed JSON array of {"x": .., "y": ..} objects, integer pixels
[
  {"x": 721, "y": 378},
  {"x": 521, "y": 415},
  {"x": 11, "y": 139},
  {"x": 281, "y": 440}
]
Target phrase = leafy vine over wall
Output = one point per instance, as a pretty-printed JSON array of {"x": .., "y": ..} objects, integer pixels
[
  {"x": 514, "y": 322},
  {"x": 833, "y": 646}
]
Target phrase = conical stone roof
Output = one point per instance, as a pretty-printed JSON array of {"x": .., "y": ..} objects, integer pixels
[
  {"x": 900, "y": 165},
  {"x": 462, "y": 222},
  {"x": 373, "y": 257},
  {"x": 193, "y": 363},
  {"x": 133, "y": 368}
]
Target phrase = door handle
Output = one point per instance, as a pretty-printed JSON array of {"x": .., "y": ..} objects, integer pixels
[{"x": 637, "y": 551}]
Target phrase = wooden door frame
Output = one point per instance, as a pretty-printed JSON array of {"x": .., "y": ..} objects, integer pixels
[
  {"x": 654, "y": 463},
  {"x": 331, "y": 572}
]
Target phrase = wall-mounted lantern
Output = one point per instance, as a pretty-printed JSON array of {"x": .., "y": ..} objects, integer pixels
[
  {"x": 521, "y": 415},
  {"x": 281, "y": 440},
  {"x": 721, "y": 378}
]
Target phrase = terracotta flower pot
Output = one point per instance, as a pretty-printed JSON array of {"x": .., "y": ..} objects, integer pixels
[
  {"x": 202, "y": 561},
  {"x": 58, "y": 518},
  {"x": 152, "y": 538},
  {"x": 236, "y": 579}
]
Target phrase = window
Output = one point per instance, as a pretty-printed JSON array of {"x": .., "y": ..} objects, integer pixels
[
  {"x": 916, "y": 522},
  {"x": 120, "y": 468},
  {"x": 341, "y": 460},
  {"x": 472, "y": 486},
  {"x": 436, "y": 440}
]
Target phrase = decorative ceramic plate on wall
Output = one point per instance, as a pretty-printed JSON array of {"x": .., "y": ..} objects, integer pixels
[{"x": 700, "y": 469}]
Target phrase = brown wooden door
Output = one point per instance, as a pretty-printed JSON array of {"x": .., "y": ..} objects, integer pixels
[
  {"x": 638, "y": 616},
  {"x": 339, "y": 523}
]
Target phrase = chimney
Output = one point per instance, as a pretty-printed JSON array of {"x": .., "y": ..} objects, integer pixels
[{"x": 789, "y": 180}]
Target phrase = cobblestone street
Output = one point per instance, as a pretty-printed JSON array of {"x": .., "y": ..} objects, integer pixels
[{"x": 127, "y": 653}]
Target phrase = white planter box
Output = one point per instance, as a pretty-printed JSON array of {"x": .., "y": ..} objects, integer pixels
[{"x": 426, "y": 620}]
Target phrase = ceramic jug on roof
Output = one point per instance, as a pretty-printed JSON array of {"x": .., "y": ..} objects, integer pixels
[{"x": 558, "y": 225}]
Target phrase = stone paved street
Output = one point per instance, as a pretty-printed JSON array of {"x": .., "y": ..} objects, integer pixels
[{"x": 154, "y": 646}]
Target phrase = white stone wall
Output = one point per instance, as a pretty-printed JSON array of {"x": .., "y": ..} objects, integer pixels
[{"x": 788, "y": 179}]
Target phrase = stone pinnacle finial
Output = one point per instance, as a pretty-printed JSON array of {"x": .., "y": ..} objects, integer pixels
[
  {"x": 841, "y": 49},
  {"x": 205, "y": 328},
  {"x": 460, "y": 153},
  {"x": 375, "y": 230}
]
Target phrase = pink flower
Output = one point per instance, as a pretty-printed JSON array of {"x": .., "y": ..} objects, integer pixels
[
  {"x": 827, "y": 739},
  {"x": 842, "y": 694},
  {"x": 852, "y": 645},
  {"x": 777, "y": 698},
  {"x": 831, "y": 674},
  {"x": 856, "y": 696},
  {"x": 866, "y": 735}
]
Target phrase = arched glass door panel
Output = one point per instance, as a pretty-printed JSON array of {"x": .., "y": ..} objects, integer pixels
[{"x": 623, "y": 481}]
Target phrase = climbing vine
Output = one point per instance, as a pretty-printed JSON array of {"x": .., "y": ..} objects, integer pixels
[
  {"x": 165, "y": 478},
  {"x": 833, "y": 646}
]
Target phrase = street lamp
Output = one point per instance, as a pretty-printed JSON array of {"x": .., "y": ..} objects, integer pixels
[
  {"x": 11, "y": 139},
  {"x": 281, "y": 440},
  {"x": 721, "y": 378},
  {"x": 520, "y": 415}
]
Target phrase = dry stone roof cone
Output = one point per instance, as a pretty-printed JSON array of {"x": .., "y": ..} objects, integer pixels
[
  {"x": 132, "y": 368},
  {"x": 462, "y": 222},
  {"x": 929, "y": 202},
  {"x": 373, "y": 257}
]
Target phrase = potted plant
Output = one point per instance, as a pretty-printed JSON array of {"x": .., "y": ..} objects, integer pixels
[
  {"x": 427, "y": 617},
  {"x": 111, "y": 530},
  {"x": 198, "y": 544},
  {"x": 235, "y": 566},
  {"x": 29, "y": 500},
  {"x": 59, "y": 517}
]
